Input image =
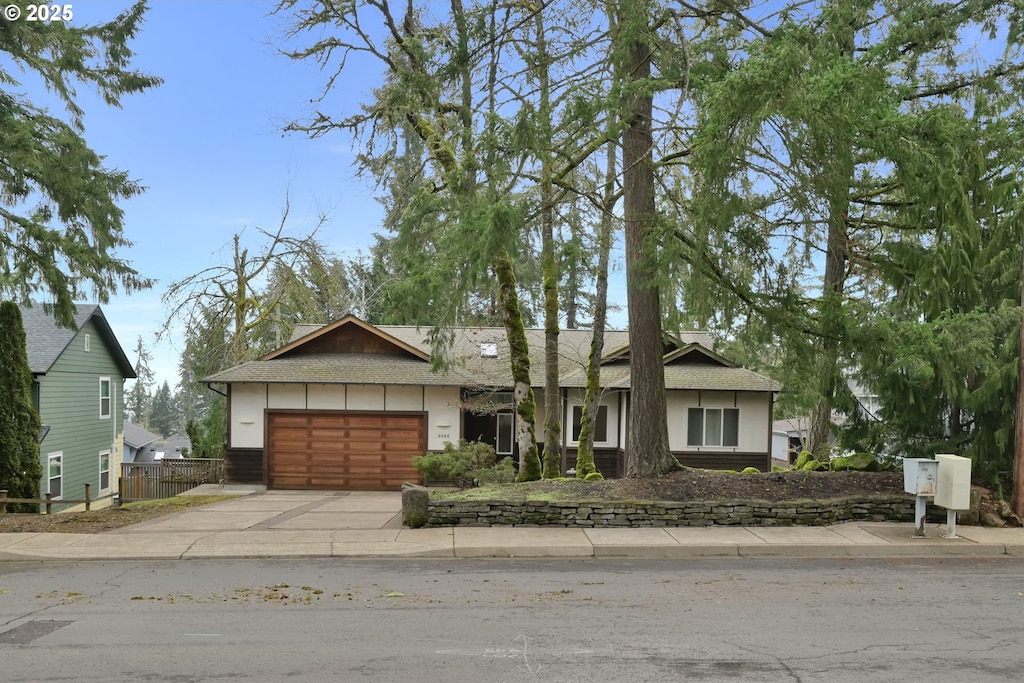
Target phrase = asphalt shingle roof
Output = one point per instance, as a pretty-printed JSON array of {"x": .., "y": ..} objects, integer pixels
[
  {"x": 46, "y": 341},
  {"x": 137, "y": 437},
  {"x": 471, "y": 368}
]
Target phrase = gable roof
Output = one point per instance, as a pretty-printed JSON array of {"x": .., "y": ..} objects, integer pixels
[
  {"x": 474, "y": 362},
  {"x": 688, "y": 353},
  {"x": 348, "y": 320},
  {"x": 136, "y": 436},
  {"x": 46, "y": 341}
]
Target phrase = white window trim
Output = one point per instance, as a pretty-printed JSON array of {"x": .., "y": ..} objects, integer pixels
[
  {"x": 704, "y": 428},
  {"x": 56, "y": 455},
  {"x": 607, "y": 425},
  {"x": 110, "y": 398},
  {"x": 99, "y": 465}
]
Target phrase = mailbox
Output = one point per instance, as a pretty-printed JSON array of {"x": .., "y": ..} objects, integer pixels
[
  {"x": 920, "y": 476},
  {"x": 954, "y": 483}
]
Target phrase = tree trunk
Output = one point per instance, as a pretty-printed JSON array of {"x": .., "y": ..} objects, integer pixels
[
  {"x": 1018, "y": 451},
  {"x": 647, "y": 451},
  {"x": 549, "y": 268},
  {"x": 519, "y": 352},
  {"x": 585, "y": 454},
  {"x": 828, "y": 356},
  {"x": 840, "y": 169}
]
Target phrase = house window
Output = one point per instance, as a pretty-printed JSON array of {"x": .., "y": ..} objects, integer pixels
[
  {"x": 55, "y": 469},
  {"x": 713, "y": 427},
  {"x": 600, "y": 426},
  {"x": 87, "y": 339},
  {"x": 104, "y": 471},
  {"x": 503, "y": 445},
  {"x": 104, "y": 397}
]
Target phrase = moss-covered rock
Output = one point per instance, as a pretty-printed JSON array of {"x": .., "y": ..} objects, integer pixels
[
  {"x": 860, "y": 462},
  {"x": 594, "y": 476},
  {"x": 812, "y": 466},
  {"x": 751, "y": 470},
  {"x": 780, "y": 468},
  {"x": 415, "y": 506},
  {"x": 802, "y": 460}
]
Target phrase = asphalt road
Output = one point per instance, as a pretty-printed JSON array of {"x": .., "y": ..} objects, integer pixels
[{"x": 507, "y": 621}]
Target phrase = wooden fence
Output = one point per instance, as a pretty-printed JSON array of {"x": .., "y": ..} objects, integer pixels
[
  {"x": 167, "y": 478},
  {"x": 48, "y": 502}
]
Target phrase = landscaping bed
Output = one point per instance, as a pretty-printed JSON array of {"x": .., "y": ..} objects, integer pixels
[
  {"x": 107, "y": 519},
  {"x": 703, "y": 485}
]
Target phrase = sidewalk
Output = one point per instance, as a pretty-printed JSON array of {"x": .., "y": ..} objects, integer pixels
[{"x": 289, "y": 524}]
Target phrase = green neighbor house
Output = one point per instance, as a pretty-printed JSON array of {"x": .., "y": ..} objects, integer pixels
[{"x": 78, "y": 388}]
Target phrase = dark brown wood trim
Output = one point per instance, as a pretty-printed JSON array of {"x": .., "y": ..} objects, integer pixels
[
  {"x": 346, "y": 320},
  {"x": 227, "y": 416}
]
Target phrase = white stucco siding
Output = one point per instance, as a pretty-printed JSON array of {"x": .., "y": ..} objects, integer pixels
[
  {"x": 754, "y": 417},
  {"x": 290, "y": 396},
  {"x": 248, "y": 403},
  {"x": 443, "y": 416},
  {"x": 365, "y": 397},
  {"x": 574, "y": 397},
  {"x": 403, "y": 398},
  {"x": 325, "y": 396}
]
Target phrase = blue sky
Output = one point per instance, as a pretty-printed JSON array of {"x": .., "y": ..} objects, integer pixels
[{"x": 207, "y": 144}]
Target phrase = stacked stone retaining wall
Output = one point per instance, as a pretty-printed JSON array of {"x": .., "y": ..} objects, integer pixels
[{"x": 657, "y": 513}]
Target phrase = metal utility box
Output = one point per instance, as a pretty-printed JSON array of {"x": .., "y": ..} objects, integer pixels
[
  {"x": 954, "y": 482},
  {"x": 920, "y": 476}
]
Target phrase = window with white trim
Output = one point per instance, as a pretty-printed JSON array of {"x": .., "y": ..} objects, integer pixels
[
  {"x": 713, "y": 427},
  {"x": 104, "y": 397},
  {"x": 599, "y": 425},
  {"x": 55, "y": 473},
  {"x": 104, "y": 471}
]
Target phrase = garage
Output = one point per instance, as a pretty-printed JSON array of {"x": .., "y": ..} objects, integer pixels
[{"x": 343, "y": 450}]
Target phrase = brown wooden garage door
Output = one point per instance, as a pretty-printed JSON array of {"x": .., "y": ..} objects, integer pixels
[{"x": 369, "y": 452}]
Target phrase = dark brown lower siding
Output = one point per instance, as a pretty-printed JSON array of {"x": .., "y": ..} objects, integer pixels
[
  {"x": 243, "y": 465},
  {"x": 724, "y": 461},
  {"x": 608, "y": 460}
]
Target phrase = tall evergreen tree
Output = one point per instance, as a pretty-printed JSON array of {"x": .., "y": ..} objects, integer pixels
[
  {"x": 60, "y": 222},
  {"x": 137, "y": 399},
  {"x": 21, "y": 469},
  {"x": 163, "y": 415}
]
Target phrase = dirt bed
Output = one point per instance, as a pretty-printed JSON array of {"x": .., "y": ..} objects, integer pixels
[{"x": 702, "y": 485}]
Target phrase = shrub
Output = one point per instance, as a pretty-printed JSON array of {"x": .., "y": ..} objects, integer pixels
[
  {"x": 802, "y": 459},
  {"x": 463, "y": 465},
  {"x": 502, "y": 473}
]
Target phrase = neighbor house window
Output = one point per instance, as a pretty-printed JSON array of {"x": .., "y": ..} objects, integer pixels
[
  {"x": 599, "y": 427},
  {"x": 104, "y": 397},
  {"x": 55, "y": 469},
  {"x": 713, "y": 427},
  {"x": 104, "y": 470},
  {"x": 87, "y": 339}
]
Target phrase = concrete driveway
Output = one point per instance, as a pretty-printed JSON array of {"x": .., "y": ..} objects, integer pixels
[{"x": 288, "y": 510}]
